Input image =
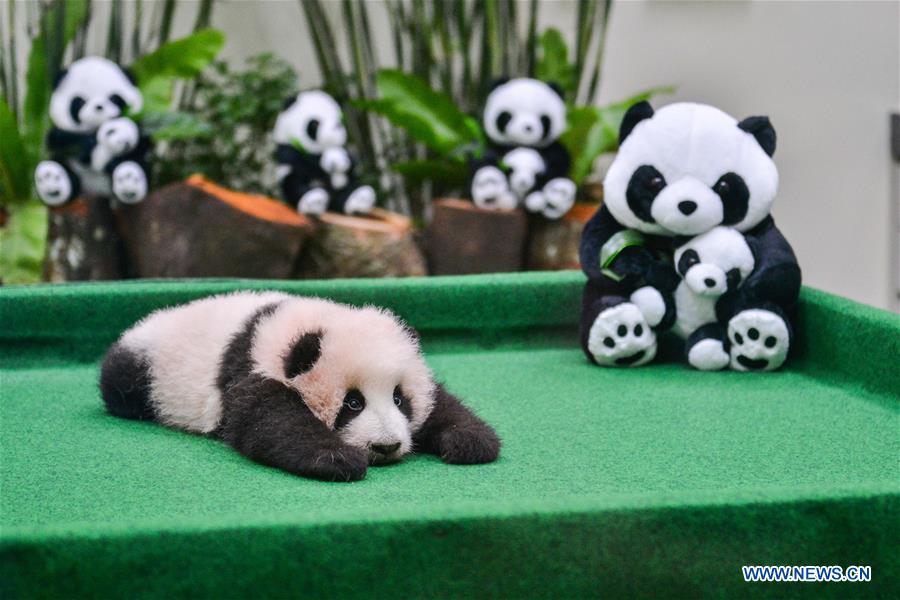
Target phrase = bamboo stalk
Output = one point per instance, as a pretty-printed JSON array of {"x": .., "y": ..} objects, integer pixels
[
  {"x": 114, "y": 32},
  {"x": 531, "y": 43},
  {"x": 204, "y": 15},
  {"x": 600, "y": 31},
  {"x": 165, "y": 26}
]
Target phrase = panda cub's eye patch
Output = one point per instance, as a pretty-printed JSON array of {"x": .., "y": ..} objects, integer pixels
[
  {"x": 503, "y": 120},
  {"x": 312, "y": 128},
  {"x": 354, "y": 400},
  {"x": 402, "y": 402}
]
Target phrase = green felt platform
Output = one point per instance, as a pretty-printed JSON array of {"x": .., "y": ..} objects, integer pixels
[{"x": 655, "y": 481}]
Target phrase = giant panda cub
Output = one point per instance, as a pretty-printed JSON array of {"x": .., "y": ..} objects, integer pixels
[
  {"x": 93, "y": 146},
  {"x": 315, "y": 170},
  {"x": 316, "y": 388},
  {"x": 523, "y": 119}
]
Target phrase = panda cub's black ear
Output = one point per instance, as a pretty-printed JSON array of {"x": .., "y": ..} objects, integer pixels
[
  {"x": 760, "y": 128},
  {"x": 634, "y": 115},
  {"x": 303, "y": 354}
]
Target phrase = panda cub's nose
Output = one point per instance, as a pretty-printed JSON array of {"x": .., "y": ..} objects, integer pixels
[
  {"x": 687, "y": 207},
  {"x": 385, "y": 449}
]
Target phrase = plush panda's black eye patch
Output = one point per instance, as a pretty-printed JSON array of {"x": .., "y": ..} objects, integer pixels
[
  {"x": 735, "y": 197},
  {"x": 75, "y": 108},
  {"x": 545, "y": 125},
  {"x": 312, "y": 128},
  {"x": 118, "y": 101},
  {"x": 303, "y": 354},
  {"x": 643, "y": 187},
  {"x": 503, "y": 120},
  {"x": 354, "y": 404},
  {"x": 688, "y": 259}
]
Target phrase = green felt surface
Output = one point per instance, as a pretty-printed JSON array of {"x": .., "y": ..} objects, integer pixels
[{"x": 654, "y": 481}]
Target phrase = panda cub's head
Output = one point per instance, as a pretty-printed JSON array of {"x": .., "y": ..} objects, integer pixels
[
  {"x": 359, "y": 370},
  {"x": 90, "y": 92},
  {"x": 687, "y": 168},
  {"x": 715, "y": 262},
  {"x": 313, "y": 120},
  {"x": 524, "y": 112}
]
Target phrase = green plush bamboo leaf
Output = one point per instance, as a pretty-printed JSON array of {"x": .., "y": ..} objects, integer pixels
[
  {"x": 38, "y": 77},
  {"x": 429, "y": 116},
  {"x": 174, "y": 125},
  {"x": 183, "y": 58},
  {"x": 22, "y": 242},
  {"x": 593, "y": 131},
  {"x": 553, "y": 65},
  {"x": 449, "y": 172},
  {"x": 15, "y": 168}
]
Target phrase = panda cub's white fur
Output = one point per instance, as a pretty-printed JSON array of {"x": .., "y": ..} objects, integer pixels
[
  {"x": 317, "y": 388},
  {"x": 710, "y": 265}
]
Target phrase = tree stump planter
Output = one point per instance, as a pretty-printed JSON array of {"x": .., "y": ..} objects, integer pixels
[
  {"x": 463, "y": 238},
  {"x": 83, "y": 242},
  {"x": 381, "y": 244},
  {"x": 200, "y": 229},
  {"x": 553, "y": 245}
]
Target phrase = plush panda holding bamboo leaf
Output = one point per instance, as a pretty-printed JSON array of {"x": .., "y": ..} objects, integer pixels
[
  {"x": 94, "y": 145},
  {"x": 315, "y": 170},
  {"x": 525, "y": 161},
  {"x": 315, "y": 388},
  {"x": 685, "y": 239}
]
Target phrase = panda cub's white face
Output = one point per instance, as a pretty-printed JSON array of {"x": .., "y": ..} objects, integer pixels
[
  {"x": 92, "y": 91},
  {"x": 524, "y": 112},
  {"x": 314, "y": 121},
  {"x": 688, "y": 168},
  {"x": 715, "y": 262}
]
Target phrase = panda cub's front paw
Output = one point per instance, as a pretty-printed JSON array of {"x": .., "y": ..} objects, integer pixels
[
  {"x": 621, "y": 337},
  {"x": 129, "y": 183},
  {"x": 472, "y": 445},
  {"x": 760, "y": 340},
  {"x": 360, "y": 201},
  {"x": 337, "y": 464},
  {"x": 313, "y": 202},
  {"x": 490, "y": 190},
  {"x": 52, "y": 183}
]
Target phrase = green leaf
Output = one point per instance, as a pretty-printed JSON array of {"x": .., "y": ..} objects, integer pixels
[
  {"x": 174, "y": 125},
  {"x": 183, "y": 58},
  {"x": 553, "y": 65},
  {"x": 157, "y": 93},
  {"x": 15, "y": 168},
  {"x": 42, "y": 66},
  {"x": 428, "y": 116},
  {"x": 22, "y": 242},
  {"x": 594, "y": 131},
  {"x": 437, "y": 170}
]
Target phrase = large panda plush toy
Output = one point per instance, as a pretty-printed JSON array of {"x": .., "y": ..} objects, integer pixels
[
  {"x": 93, "y": 145},
  {"x": 316, "y": 388},
  {"x": 525, "y": 162},
  {"x": 685, "y": 171},
  {"x": 315, "y": 170}
]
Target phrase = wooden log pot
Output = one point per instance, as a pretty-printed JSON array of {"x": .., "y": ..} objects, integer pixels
[
  {"x": 553, "y": 245},
  {"x": 83, "y": 242}
]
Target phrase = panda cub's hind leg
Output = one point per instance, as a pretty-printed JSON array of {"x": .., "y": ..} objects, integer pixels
[{"x": 125, "y": 382}]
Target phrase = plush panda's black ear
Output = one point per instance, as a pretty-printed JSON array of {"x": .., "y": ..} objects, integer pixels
[
  {"x": 303, "y": 354},
  {"x": 634, "y": 115},
  {"x": 129, "y": 75},
  {"x": 556, "y": 88},
  {"x": 760, "y": 128},
  {"x": 497, "y": 83},
  {"x": 288, "y": 101},
  {"x": 59, "y": 77}
]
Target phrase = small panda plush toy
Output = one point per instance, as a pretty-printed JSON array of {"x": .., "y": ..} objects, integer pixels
[
  {"x": 525, "y": 162},
  {"x": 315, "y": 170},
  {"x": 309, "y": 386},
  {"x": 689, "y": 194},
  {"x": 93, "y": 145}
]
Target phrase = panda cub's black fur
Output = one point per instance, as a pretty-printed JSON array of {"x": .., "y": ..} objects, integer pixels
[
  {"x": 315, "y": 170},
  {"x": 93, "y": 145},
  {"x": 318, "y": 389}
]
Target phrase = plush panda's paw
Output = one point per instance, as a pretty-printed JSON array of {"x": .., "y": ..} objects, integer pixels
[
  {"x": 621, "y": 337},
  {"x": 347, "y": 463},
  {"x": 335, "y": 160},
  {"x": 560, "y": 196},
  {"x": 52, "y": 183},
  {"x": 708, "y": 355},
  {"x": 651, "y": 303},
  {"x": 471, "y": 445},
  {"x": 313, "y": 202},
  {"x": 118, "y": 136},
  {"x": 129, "y": 183},
  {"x": 490, "y": 190},
  {"x": 760, "y": 340},
  {"x": 360, "y": 201}
]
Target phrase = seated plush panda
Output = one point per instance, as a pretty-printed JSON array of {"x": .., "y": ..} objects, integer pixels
[
  {"x": 315, "y": 170},
  {"x": 93, "y": 145},
  {"x": 316, "y": 388},
  {"x": 525, "y": 162},
  {"x": 681, "y": 172}
]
